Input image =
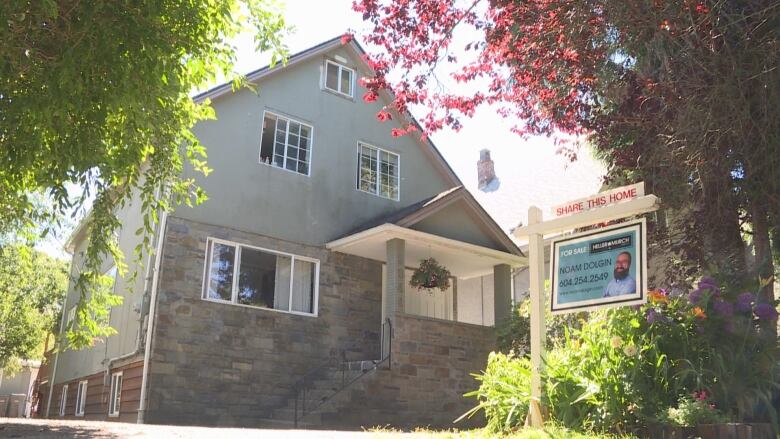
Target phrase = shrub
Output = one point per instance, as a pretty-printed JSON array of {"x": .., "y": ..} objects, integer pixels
[{"x": 624, "y": 368}]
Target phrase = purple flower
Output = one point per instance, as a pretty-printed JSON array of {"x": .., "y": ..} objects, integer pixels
[
  {"x": 745, "y": 302},
  {"x": 706, "y": 280},
  {"x": 695, "y": 296},
  {"x": 728, "y": 325},
  {"x": 765, "y": 311},
  {"x": 654, "y": 316},
  {"x": 723, "y": 308}
]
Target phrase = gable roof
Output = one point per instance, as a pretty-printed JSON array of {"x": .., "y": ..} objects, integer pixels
[
  {"x": 358, "y": 53},
  {"x": 413, "y": 214}
]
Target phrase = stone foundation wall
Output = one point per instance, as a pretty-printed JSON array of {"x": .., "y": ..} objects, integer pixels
[
  {"x": 431, "y": 365},
  {"x": 222, "y": 364}
]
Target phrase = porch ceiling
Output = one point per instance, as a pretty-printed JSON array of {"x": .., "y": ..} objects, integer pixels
[{"x": 464, "y": 260}]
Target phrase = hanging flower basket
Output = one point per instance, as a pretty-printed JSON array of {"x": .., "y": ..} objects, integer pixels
[{"x": 429, "y": 275}]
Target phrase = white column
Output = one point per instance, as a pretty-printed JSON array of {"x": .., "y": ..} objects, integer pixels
[{"x": 538, "y": 333}]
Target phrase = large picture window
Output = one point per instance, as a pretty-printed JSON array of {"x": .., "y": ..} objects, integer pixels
[
  {"x": 339, "y": 78},
  {"x": 378, "y": 171},
  {"x": 285, "y": 143},
  {"x": 251, "y": 276}
]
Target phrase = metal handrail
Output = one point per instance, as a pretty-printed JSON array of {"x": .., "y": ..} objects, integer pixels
[{"x": 301, "y": 386}]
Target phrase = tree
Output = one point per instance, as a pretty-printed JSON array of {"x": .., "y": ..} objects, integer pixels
[
  {"x": 32, "y": 287},
  {"x": 680, "y": 94},
  {"x": 98, "y": 95}
]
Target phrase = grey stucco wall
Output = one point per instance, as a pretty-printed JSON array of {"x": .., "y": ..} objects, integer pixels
[
  {"x": 21, "y": 382},
  {"x": 222, "y": 364},
  {"x": 311, "y": 209},
  {"x": 124, "y": 317},
  {"x": 454, "y": 222}
]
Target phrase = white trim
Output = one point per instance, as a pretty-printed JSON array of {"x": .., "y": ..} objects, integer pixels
[
  {"x": 63, "y": 399},
  {"x": 289, "y": 119},
  {"x": 393, "y": 231},
  {"x": 237, "y": 264},
  {"x": 81, "y": 397},
  {"x": 341, "y": 68},
  {"x": 115, "y": 399},
  {"x": 378, "y": 166}
]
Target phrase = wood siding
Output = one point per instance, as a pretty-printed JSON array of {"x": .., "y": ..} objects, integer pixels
[{"x": 98, "y": 393}]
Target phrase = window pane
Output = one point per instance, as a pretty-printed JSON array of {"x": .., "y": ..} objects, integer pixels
[
  {"x": 282, "y": 290},
  {"x": 388, "y": 176},
  {"x": 221, "y": 264},
  {"x": 346, "y": 81},
  {"x": 257, "y": 278},
  {"x": 332, "y": 76},
  {"x": 267, "y": 137},
  {"x": 303, "y": 286}
]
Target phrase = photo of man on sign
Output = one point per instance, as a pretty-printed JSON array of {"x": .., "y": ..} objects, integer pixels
[
  {"x": 622, "y": 283},
  {"x": 598, "y": 268}
]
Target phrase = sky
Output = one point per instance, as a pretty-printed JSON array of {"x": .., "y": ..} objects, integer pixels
[{"x": 530, "y": 170}]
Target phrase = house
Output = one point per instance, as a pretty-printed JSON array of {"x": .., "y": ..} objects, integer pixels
[
  {"x": 284, "y": 299},
  {"x": 16, "y": 390}
]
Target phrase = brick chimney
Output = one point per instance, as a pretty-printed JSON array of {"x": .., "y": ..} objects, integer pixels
[{"x": 486, "y": 173}]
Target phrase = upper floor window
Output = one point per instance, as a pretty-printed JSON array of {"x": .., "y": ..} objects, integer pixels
[
  {"x": 285, "y": 143},
  {"x": 378, "y": 171},
  {"x": 251, "y": 276},
  {"x": 339, "y": 78}
]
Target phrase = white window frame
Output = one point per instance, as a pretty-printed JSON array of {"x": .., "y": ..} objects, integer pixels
[
  {"x": 341, "y": 68},
  {"x": 115, "y": 395},
  {"x": 81, "y": 397},
  {"x": 377, "y": 191},
  {"x": 237, "y": 266},
  {"x": 286, "y": 143},
  {"x": 63, "y": 399}
]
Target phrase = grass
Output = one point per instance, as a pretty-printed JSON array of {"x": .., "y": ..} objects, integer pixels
[{"x": 526, "y": 433}]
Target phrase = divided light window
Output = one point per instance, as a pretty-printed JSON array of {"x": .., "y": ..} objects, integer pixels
[
  {"x": 338, "y": 78},
  {"x": 116, "y": 394},
  {"x": 285, "y": 143},
  {"x": 81, "y": 398},
  {"x": 63, "y": 399},
  {"x": 244, "y": 275},
  {"x": 377, "y": 171}
]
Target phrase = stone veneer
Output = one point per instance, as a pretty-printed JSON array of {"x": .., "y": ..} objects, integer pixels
[
  {"x": 431, "y": 365},
  {"x": 222, "y": 364}
]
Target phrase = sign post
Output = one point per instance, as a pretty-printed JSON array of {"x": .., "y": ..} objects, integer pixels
[{"x": 597, "y": 252}]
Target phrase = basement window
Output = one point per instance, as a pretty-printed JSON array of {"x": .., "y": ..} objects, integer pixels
[
  {"x": 81, "y": 398},
  {"x": 116, "y": 394},
  {"x": 251, "y": 276},
  {"x": 63, "y": 399},
  {"x": 285, "y": 143},
  {"x": 339, "y": 78}
]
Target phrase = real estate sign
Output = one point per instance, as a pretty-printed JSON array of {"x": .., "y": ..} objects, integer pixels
[
  {"x": 604, "y": 267},
  {"x": 602, "y": 199}
]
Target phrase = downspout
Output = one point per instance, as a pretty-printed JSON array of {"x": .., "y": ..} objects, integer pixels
[
  {"x": 141, "y": 315},
  {"x": 56, "y": 356},
  {"x": 150, "y": 320}
]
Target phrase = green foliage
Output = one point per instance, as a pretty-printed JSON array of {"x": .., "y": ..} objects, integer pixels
[
  {"x": 32, "y": 285},
  {"x": 514, "y": 333},
  {"x": 624, "y": 368},
  {"x": 691, "y": 412},
  {"x": 430, "y": 274},
  {"x": 505, "y": 392},
  {"x": 98, "y": 95}
]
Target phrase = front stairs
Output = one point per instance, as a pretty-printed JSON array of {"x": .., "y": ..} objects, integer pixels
[{"x": 323, "y": 390}]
